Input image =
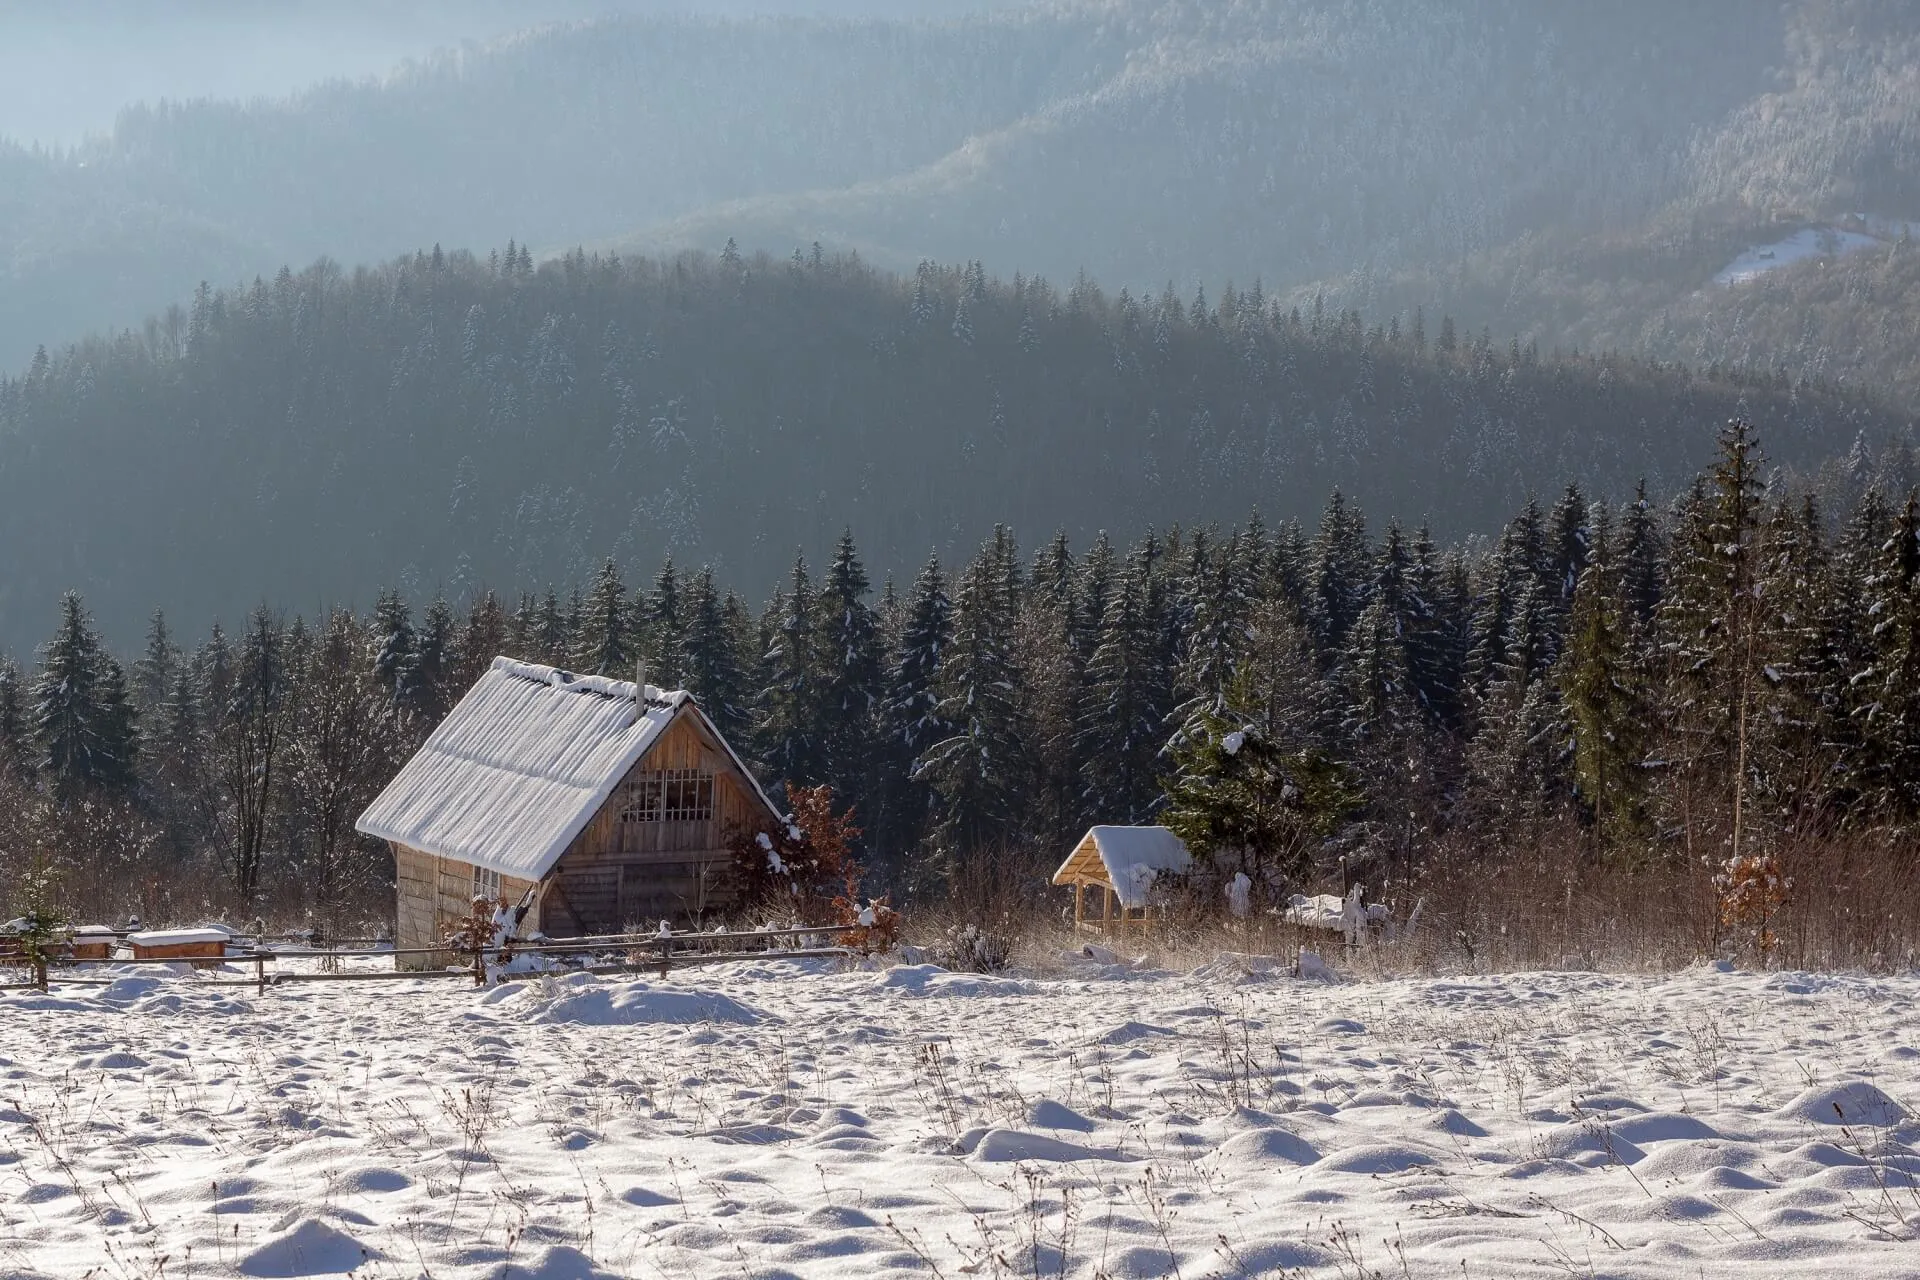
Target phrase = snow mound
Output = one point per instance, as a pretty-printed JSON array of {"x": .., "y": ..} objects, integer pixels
[
  {"x": 558, "y": 1263},
  {"x": 1128, "y": 1032},
  {"x": 1376, "y": 1157},
  {"x": 1048, "y": 1114},
  {"x": 626, "y": 1004},
  {"x": 1589, "y": 1144},
  {"x": 1855, "y": 1102},
  {"x": 1001, "y": 1146},
  {"x": 1264, "y": 1147},
  {"x": 312, "y": 1248},
  {"x": 1662, "y": 1126},
  {"x": 932, "y": 980}
]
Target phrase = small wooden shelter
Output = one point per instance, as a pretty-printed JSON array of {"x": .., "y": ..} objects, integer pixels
[
  {"x": 613, "y": 803},
  {"x": 1122, "y": 863}
]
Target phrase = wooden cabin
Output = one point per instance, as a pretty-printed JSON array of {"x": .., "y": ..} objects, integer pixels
[
  {"x": 1121, "y": 864},
  {"x": 614, "y": 805}
]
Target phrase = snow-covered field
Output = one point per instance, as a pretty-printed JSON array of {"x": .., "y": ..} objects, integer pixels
[{"x": 772, "y": 1120}]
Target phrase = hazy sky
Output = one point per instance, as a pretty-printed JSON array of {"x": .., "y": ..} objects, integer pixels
[{"x": 67, "y": 67}]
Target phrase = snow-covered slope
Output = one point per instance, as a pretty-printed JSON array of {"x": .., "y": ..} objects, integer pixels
[{"x": 765, "y": 1121}]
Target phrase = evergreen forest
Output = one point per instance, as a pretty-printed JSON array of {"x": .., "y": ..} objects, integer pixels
[
  {"x": 1650, "y": 682},
  {"x": 447, "y": 420}
]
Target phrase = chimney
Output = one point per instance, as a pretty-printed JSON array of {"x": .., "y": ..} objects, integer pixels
[{"x": 640, "y": 685}]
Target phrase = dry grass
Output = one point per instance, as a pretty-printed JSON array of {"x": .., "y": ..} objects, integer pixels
[{"x": 1854, "y": 904}]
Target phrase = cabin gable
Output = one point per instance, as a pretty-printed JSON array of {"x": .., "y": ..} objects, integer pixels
[{"x": 658, "y": 848}]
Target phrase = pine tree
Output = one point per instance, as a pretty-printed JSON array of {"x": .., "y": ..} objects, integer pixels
[
  {"x": 851, "y": 676},
  {"x": 910, "y": 710},
  {"x": 1601, "y": 687},
  {"x": 1338, "y": 572},
  {"x": 82, "y": 722},
  {"x": 1566, "y": 549},
  {"x": 604, "y": 645},
  {"x": 710, "y": 659},
  {"x": 1243, "y": 803},
  {"x": 1892, "y": 717},
  {"x": 1640, "y": 563},
  {"x": 791, "y": 697},
  {"x": 1708, "y": 622},
  {"x": 485, "y": 635},
  {"x": 436, "y": 658},
  {"x": 1434, "y": 631},
  {"x": 250, "y": 731},
  {"x": 16, "y": 729},
  {"x": 153, "y": 673},
  {"x": 1212, "y": 632},
  {"x": 1099, "y": 571},
  {"x": 663, "y": 627},
  {"x": 341, "y": 748},
  {"x": 978, "y": 772},
  {"x": 1382, "y": 707},
  {"x": 396, "y": 663},
  {"x": 555, "y": 636},
  {"x": 1121, "y": 717}
]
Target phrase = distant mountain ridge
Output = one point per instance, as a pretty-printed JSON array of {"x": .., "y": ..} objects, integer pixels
[{"x": 1292, "y": 141}]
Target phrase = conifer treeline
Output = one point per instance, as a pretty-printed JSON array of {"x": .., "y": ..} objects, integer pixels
[{"x": 1740, "y": 665}]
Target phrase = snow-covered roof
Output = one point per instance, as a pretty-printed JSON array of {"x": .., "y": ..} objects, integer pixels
[
  {"x": 522, "y": 764},
  {"x": 176, "y": 937},
  {"x": 1128, "y": 858}
]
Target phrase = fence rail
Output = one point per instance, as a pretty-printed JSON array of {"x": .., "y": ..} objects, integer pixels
[{"x": 670, "y": 951}]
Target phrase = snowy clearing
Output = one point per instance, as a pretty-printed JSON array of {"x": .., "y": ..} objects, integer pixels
[
  {"x": 1810, "y": 242},
  {"x": 785, "y": 1120}
]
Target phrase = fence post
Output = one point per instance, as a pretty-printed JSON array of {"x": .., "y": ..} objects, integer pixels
[
  {"x": 260, "y": 971},
  {"x": 665, "y": 943}
]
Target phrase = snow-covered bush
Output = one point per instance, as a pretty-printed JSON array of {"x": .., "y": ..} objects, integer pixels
[{"x": 969, "y": 948}]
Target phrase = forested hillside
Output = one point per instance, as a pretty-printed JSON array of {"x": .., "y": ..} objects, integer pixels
[
  {"x": 1140, "y": 140},
  {"x": 449, "y": 421}
]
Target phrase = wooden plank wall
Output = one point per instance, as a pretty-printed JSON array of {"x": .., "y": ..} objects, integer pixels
[
  {"x": 618, "y": 873},
  {"x": 431, "y": 894}
]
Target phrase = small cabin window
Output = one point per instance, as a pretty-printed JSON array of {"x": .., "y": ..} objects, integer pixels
[
  {"x": 486, "y": 884},
  {"x": 670, "y": 795}
]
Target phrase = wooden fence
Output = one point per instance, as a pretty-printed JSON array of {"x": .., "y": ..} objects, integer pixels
[{"x": 603, "y": 953}]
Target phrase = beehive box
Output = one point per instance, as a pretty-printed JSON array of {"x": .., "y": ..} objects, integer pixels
[
  {"x": 93, "y": 942},
  {"x": 202, "y": 946}
]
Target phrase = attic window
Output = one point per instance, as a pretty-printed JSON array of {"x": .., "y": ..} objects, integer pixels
[
  {"x": 486, "y": 884},
  {"x": 670, "y": 795}
]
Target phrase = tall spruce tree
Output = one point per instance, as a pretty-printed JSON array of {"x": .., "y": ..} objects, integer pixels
[
  {"x": 1601, "y": 686},
  {"x": 1124, "y": 707},
  {"x": 791, "y": 695},
  {"x": 978, "y": 772},
  {"x": 710, "y": 663},
  {"x": 250, "y": 732},
  {"x": 16, "y": 731},
  {"x": 153, "y": 673},
  {"x": 850, "y": 675},
  {"x": 910, "y": 710},
  {"x": 82, "y": 720},
  {"x": 603, "y": 643}
]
